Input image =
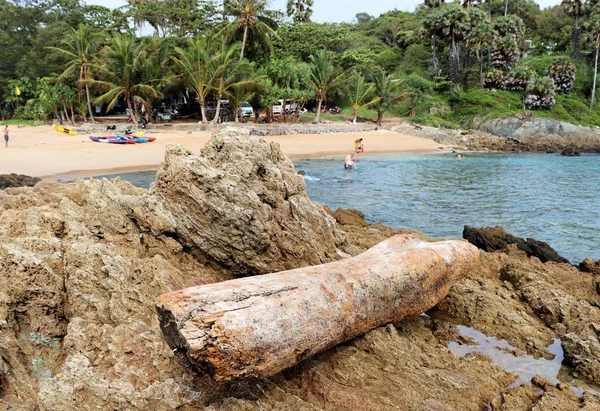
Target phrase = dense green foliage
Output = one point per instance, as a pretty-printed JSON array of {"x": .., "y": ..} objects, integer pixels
[{"x": 448, "y": 63}]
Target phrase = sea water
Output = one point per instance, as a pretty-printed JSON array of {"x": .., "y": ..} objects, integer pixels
[{"x": 543, "y": 196}]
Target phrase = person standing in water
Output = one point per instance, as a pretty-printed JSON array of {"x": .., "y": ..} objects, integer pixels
[
  {"x": 6, "y": 135},
  {"x": 349, "y": 163}
]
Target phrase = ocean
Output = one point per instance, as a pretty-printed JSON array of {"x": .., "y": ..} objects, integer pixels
[{"x": 543, "y": 196}]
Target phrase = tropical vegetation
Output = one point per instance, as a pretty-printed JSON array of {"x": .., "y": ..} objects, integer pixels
[{"x": 447, "y": 63}]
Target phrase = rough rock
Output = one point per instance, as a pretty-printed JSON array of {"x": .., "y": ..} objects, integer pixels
[
  {"x": 259, "y": 326},
  {"x": 496, "y": 238},
  {"x": 538, "y": 130},
  {"x": 83, "y": 263},
  {"x": 242, "y": 204},
  {"x": 17, "y": 180},
  {"x": 570, "y": 152}
]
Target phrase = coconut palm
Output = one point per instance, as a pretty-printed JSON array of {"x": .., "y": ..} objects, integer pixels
[
  {"x": 301, "y": 10},
  {"x": 482, "y": 35},
  {"x": 80, "y": 45},
  {"x": 155, "y": 68},
  {"x": 121, "y": 74},
  {"x": 229, "y": 73},
  {"x": 388, "y": 91},
  {"x": 359, "y": 93},
  {"x": 251, "y": 17},
  {"x": 196, "y": 63},
  {"x": 324, "y": 77}
]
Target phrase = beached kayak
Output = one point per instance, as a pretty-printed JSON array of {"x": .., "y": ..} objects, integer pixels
[
  {"x": 63, "y": 130},
  {"x": 111, "y": 140},
  {"x": 149, "y": 139}
]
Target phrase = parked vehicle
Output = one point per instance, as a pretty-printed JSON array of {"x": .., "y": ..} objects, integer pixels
[
  {"x": 336, "y": 110},
  {"x": 288, "y": 108},
  {"x": 246, "y": 110}
]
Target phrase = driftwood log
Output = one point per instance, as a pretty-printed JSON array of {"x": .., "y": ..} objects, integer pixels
[{"x": 259, "y": 326}]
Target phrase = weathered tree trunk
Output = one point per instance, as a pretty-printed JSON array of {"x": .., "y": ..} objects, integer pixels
[
  {"x": 245, "y": 39},
  {"x": 218, "y": 110},
  {"x": 259, "y": 326},
  {"x": 379, "y": 118},
  {"x": 204, "y": 119}
]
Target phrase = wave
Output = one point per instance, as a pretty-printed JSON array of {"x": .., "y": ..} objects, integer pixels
[{"x": 309, "y": 178}]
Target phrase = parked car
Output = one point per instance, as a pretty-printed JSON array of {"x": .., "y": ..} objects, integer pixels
[{"x": 246, "y": 110}]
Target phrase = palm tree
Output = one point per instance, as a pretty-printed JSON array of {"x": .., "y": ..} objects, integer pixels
[
  {"x": 80, "y": 45},
  {"x": 121, "y": 74},
  {"x": 155, "y": 68},
  {"x": 251, "y": 16},
  {"x": 324, "y": 77},
  {"x": 574, "y": 8},
  {"x": 595, "y": 32},
  {"x": 229, "y": 73},
  {"x": 359, "y": 93},
  {"x": 482, "y": 35},
  {"x": 432, "y": 4},
  {"x": 388, "y": 91},
  {"x": 196, "y": 63},
  {"x": 300, "y": 9}
]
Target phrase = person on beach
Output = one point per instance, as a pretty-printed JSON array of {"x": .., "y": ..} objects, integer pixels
[
  {"x": 6, "y": 135},
  {"x": 358, "y": 145},
  {"x": 349, "y": 163}
]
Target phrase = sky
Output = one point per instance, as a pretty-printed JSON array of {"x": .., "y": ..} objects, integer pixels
[{"x": 339, "y": 10}]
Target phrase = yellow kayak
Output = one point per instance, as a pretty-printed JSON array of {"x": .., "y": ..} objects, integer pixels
[
  {"x": 64, "y": 130},
  {"x": 138, "y": 134}
]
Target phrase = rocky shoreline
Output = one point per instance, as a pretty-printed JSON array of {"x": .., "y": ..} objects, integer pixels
[
  {"x": 83, "y": 264},
  {"x": 514, "y": 134}
]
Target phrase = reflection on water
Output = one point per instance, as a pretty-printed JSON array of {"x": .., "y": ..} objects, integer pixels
[{"x": 525, "y": 366}]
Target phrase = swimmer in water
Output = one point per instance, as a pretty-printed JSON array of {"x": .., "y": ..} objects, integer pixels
[
  {"x": 460, "y": 156},
  {"x": 349, "y": 163}
]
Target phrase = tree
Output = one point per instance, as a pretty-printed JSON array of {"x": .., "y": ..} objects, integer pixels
[
  {"x": 594, "y": 32},
  {"x": 120, "y": 73},
  {"x": 574, "y": 8},
  {"x": 359, "y": 93},
  {"x": 324, "y": 77},
  {"x": 447, "y": 23},
  {"x": 196, "y": 62},
  {"x": 388, "y": 91},
  {"x": 433, "y": 4},
  {"x": 482, "y": 35},
  {"x": 251, "y": 18},
  {"x": 80, "y": 46},
  {"x": 301, "y": 10}
]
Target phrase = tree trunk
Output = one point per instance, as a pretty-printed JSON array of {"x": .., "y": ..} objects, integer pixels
[
  {"x": 203, "y": 110},
  {"x": 87, "y": 94},
  {"x": 480, "y": 65},
  {"x": 218, "y": 110},
  {"x": 230, "y": 330},
  {"x": 131, "y": 113},
  {"x": 593, "y": 103},
  {"x": 412, "y": 107},
  {"x": 379, "y": 118},
  {"x": 489, "y": 11},
  {"x": 318, "y": 116},
  {"x": 354, "y": 115},
  {"x": 244, "y": 42},
  {"x": 506, "y": 8},
  {"x": 576, "y": 34}
]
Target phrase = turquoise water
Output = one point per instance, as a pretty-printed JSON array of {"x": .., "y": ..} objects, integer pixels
[{"x": 547, "y": 197}]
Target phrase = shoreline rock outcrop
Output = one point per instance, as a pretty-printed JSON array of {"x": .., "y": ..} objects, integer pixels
[
  {"x": 17, "y": 180},
  {"x": 81, "y": 265}
]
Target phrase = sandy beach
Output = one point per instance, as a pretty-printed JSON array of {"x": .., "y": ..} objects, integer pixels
[{"x": 43, "y": 152}]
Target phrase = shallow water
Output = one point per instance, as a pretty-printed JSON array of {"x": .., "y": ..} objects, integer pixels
[
  {"x": 525, "y": 366},
  {"x": 547, "y": 197}
]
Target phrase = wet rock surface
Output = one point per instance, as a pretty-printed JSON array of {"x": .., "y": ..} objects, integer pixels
[
  {"x": 17, "y": 180},
  {"x": 81, "y": 265},
  {"x": 497, "y": 239}
]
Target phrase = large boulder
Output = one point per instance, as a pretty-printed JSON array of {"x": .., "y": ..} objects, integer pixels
[
  {"x": 17, "y": 180},
  {"x": 242, "y": 204},
  {"x": 496, "y": 239}
]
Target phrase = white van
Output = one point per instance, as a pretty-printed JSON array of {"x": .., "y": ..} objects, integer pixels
[
  {"x": 246, "y": 110},
  {"x": 289, "y": 106}
]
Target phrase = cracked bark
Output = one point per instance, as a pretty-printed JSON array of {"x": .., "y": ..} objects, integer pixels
[{"x": 259, "y": 326}]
